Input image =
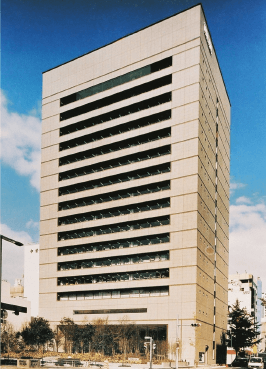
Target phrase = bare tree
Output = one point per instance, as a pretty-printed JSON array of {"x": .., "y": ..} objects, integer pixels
[
  {"x": 58, "y": 338},
  {"x": 125, "y": 335},
  {"x": 67, "y": 327},
  {"x": 9, "y": 340},
  {"x": 103, "y": 338}
]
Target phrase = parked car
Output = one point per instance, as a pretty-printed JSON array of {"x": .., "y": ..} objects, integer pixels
[
  {"x": 256, "y": 362},
  {"x": 241, "y": 362}
]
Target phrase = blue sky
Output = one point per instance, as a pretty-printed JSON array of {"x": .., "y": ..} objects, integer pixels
[{"x": 40, "y": 34}]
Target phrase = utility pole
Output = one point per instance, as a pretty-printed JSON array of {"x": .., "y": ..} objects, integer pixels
[
  {"x": 206, "y": 354},
  {"x": 177, "y": 342},
  {"x": 151, "y": 348},
  {"x": 177, "y": 337}
]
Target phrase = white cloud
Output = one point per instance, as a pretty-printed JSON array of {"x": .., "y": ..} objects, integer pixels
[
  {"x": 236, "y": 186},
  {"x": 32, "y": 224},
  {"x": 21, "y": 142},
  {"x": 243, "y": 200},
  {"x": 247, "y": 238},
  {"x": 13, "y": 255}
]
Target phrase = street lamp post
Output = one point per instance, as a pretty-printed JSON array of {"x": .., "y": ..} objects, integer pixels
[{"x": 17, "y": 243}]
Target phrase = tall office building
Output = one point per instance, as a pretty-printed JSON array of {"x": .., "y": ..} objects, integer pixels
[{"x": 135, "y": 185}]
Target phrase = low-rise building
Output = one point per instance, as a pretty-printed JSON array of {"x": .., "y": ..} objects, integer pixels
[
  {"x": 242, "y": 287},
  {"x": 263, "y": 323},
  {"x": 17, "y": 308}
]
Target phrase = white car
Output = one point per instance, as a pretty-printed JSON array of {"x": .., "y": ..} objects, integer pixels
[{"x": 256, "y": 362}]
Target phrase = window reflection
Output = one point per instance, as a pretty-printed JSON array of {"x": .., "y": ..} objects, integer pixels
[
  {"x": 124, "y": 177},
  {"x": 106, "y": 149},
  {"x": 114, "y": 294},
  {"x": 114, "y": 114},
  {"x": 114, "y": 163},
  {"x": 138, "y": 73},
  {"x": 119, "y": 96},
  {"x": 116, "y": 244},
  {"x": 123, "y": 276},
  {"x": 114, "y": 228}
]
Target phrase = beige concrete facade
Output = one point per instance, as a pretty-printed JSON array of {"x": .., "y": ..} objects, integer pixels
[{"x": 188, "y": 267}]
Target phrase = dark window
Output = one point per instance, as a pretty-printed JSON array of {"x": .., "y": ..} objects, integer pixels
[
  {"x": 116, "y": 244},
  {"x": 114, "y": 228},
  {"x": 123, "y": 276},
  {"x": 123, "y": 177},
  {"x": 87, "y": 295},
  {"x": 113, "y": 163},
  {"x": 116, "y": 211},
  {"x": 130, "y": 109},
  {"x": 116, "y": 146},
  {"x": 138, "y": 73},
  {"x": 110, "y": 311},
  {"x": 116, "y": 130},
  {"x": 102, "y": 262},
  {"x": 120, "y": 96},
  {"x": 116, "y": 195}
]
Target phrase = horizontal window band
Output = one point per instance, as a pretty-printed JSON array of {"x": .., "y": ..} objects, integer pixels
[
  {"x": 115, "y": 130},
  {"x": 124, "y": 78},
  {"x": 114, "y": 294},
  {"x": 116, "y": 244},
  {"x": 115, "y": 195},
  {"x": 114, "y": 277},
  {"x": 111, "y": 311},
  {"x": 118, "y": 178},
  {"x": 114, "y": 114},
  {"x": 115, "y": 211},
  {"x": 115, "y": 260},
  {"x": 114, "y": 163},
  {"x": 114, "y": 228},
  {"x": 116, "y": 146},
  {"x": 120, "y": 96}
]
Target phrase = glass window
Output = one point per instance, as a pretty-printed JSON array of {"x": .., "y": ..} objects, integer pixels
[
  {"x": 145, "y": 258},
  {"x": 144, "y": 293},
  {"x": 135, "y": 276},
  {"x": 136, "y": 259},
  {"x": 164, "y": 292},
  {"x": 116, "y": 294},
  {"x": 152, "y": 275},
  {"x": 88, "y": 295},
  {"x": 164, "y": 256},
  {"x": 98, "y": 295},
  {"x": 125, "y": 277},
  {"x": 134, "y": 293},
  {"x": 124, "y": 293},
  {"x": 155, "y": 293},
  {"x": 98, "y": 263}
]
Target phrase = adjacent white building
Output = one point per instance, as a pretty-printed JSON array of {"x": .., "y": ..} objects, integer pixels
[
  {"x": 31, "y": 276},
  {"x": 263, "y": 324},
  {"x": 242, "y": 287}
]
